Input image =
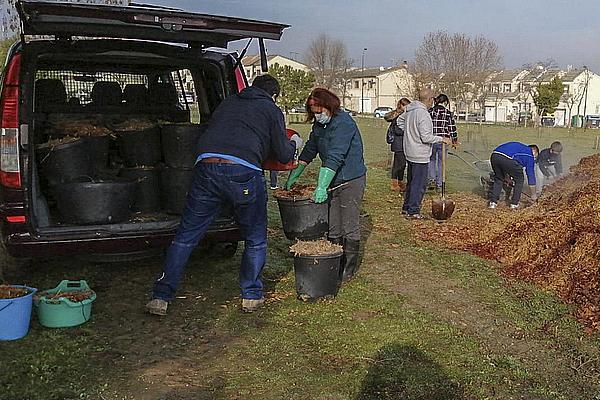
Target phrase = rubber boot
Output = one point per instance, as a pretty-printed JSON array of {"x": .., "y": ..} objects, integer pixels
[{"x": 350, "y": 261}]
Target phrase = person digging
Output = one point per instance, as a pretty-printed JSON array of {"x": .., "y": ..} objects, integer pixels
[
  {"x": 336, "y": 139},
  {"x": 508, "y": 160}
]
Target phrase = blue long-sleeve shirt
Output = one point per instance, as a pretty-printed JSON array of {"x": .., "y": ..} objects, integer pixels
[{"x": 521, "y": 153}]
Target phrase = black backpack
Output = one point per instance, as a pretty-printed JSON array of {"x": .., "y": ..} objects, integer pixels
[{"x": 393, "y": 131}]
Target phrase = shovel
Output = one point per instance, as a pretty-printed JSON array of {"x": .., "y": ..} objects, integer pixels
[{"x": 442, "y": 209}]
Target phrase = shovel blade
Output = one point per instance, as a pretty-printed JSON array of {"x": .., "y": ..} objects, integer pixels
[{"x": 442, "y": 209}]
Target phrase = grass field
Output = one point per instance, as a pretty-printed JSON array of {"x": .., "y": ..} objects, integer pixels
[{"x": 418, "y": 322}]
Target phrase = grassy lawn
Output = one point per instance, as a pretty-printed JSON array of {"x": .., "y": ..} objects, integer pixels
[{"x": 416, "y": 323}]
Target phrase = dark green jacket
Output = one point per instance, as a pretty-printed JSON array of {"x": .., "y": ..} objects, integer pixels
[{"x": 339, "y": 146}]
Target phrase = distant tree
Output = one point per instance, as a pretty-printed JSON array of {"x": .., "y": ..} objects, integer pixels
[
  {"x": 4, "y": 46},
  {"x": 547, "y": 96},
  {"x": 456, "y": 64},
  {"x": 295, "y": 85},
  {"x": 329, "y": 60}
]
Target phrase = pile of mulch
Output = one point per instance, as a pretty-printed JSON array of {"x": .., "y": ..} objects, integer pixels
[
  {"x": 56, "y": 142},
  {"x": 81, "y": 128},
  {"x": 554, "y": 243},
  {"x": 298, "y": 192},
  {"x": 133, "y": 125},
  {"x": 320, "y": 247},
  {"x": 11, "y": 292},
  {"x": 76, "y": 296}
]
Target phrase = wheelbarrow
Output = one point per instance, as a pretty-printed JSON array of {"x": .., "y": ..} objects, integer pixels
[{"x": 485, "y": 172}]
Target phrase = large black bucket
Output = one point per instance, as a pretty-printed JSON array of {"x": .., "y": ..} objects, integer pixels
[
  {"x": 147, "y": 193},
  {"x": 64, "y": 162},
  {"x": 174, "y": 185},
  {"x": 95, "y": 202},
  {"x": 140, "y": 147},
  {"x": 98, "y": 152},
  {"x": 180, "y": 144},
  {"x": 317, "y": 276},
  {"x": 303, "y": 219}
]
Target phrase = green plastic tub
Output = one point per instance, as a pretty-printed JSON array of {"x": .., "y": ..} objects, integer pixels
[{"x": 61, "y": 312}]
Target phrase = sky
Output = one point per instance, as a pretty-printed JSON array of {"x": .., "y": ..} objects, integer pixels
[{"x": 526, "y": 31}]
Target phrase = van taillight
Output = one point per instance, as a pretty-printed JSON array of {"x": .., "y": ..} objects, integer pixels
[
  {"x": 10, "y": 172},
  {"x": 239, "y": 77}
]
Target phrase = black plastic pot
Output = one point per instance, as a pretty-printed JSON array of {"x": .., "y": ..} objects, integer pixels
[
  {"x": 147, "y": 193},
  {"x": 140, "y": 147},
  {"x": 64, "y": 162},
  {"x": 174, "y": 185},
  {"x": 98, "y": 152},
  {"x": 303, "y": 219},
  {"x": 95, "y": 202},
  {"x": 317, "y": 276},
  {"x": 180, "y": 144}
]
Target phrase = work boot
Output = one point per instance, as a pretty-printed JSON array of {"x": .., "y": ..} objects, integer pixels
[
  {"x": 251, "y": 305},
  {"x": 157, "y": 307},
  {"x": 350, "y": 261}
]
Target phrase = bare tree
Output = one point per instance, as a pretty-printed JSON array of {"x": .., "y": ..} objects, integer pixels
[
  {"x": 455, "y": 64},
  {"x": 329, "y": 61}
]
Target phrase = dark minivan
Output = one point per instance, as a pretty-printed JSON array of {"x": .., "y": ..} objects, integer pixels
[{"x": 88, "y": 82}]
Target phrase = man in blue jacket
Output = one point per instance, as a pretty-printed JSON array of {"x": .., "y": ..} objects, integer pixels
[
  {"x": 508, "y": 160},
  {"x": 243, "y": 131}
]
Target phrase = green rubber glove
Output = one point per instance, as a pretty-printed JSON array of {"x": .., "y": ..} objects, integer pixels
[
  {"x": 325, "y": 177},
  {"x": 294, "y": 175}
]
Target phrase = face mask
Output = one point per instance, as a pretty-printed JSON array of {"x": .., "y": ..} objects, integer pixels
[{"x": 322, "y": 118}]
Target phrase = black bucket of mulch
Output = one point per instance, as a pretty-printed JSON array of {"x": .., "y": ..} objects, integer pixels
[
  {"x": 317, "y": 269},
  {"x": 139, "y": 143},
  {"x": 147, "y": 192},
  {"x": 180, "y": 144},
  {"x": 98, "y": 148},
  {"x": 65, "y": 159},
  {"x": 174, "y": 186},
  {"x": 301, "y": 217},
  {"x": 87, "y": 201}
]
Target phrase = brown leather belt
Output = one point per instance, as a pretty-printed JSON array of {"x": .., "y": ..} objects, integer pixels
[{"x": 217, "y": 160}]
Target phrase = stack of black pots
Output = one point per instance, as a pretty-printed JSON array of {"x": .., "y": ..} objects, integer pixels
[
  {"x": 140, "y": 151},
  {"x": 179, "y": 147},
  {"x": 71, "y": 168}
]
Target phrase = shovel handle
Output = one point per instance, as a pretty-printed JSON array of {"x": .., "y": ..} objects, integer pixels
[{"x": 443, "y": 170}]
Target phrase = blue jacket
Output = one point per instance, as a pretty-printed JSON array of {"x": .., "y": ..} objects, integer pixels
[
  {"x": 522, "y": 154},
  {"x": 339, "y": 146},
  {"x": 248, "y": 125}
]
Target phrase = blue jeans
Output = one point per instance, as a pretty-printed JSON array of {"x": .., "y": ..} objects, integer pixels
[
  {"x": 435, "y": 164},
  {"x": 415, "y": 188},
  {"x": 212, "y": 186}
]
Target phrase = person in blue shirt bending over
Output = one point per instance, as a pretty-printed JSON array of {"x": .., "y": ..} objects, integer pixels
[{"x": 508, "y": 160}]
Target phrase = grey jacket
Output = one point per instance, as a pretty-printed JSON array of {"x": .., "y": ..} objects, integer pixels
[{"x": 418, "y": 133}]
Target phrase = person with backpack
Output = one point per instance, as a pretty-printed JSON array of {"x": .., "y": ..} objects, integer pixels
[{"x": 394, "y": 137}]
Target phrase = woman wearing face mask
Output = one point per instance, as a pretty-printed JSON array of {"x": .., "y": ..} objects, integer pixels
[{"x": 335, "y": 138}]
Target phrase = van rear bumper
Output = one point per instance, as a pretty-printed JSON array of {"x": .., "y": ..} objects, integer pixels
[{"x": 24, "y": 245}]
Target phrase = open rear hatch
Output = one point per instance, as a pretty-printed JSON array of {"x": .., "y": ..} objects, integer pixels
[{"x": 64, "y": 20}]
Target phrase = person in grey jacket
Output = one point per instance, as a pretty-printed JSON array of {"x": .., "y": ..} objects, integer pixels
[{"x": 418, "y": 138}]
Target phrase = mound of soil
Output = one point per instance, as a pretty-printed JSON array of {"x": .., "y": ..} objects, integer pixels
[
  {"x": 554, "y": 243},
  {"x": 56, "y": 142},
  {"x": 298, "y": 192},
  {"x": 134, "y": 125},
  {"x": 10, "y": 292},
  {"x": 315, "y": 248}
]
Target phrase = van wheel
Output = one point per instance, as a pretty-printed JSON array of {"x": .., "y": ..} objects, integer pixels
[{"x": 9, "y": 265}]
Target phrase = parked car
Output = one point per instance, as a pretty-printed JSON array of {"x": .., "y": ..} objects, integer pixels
[
  {"x": 298, "y": 109},
  {"x": 351, "y": 112},
  {"x": 138, "y": 59},
  {"x": 381, "y": 111}
]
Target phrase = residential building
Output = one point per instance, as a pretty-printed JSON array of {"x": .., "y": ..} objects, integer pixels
[
  {"x": 509, "y": 95},
  {"x": 252, "y": 66},
  {"x": 377, "y": 87}
]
